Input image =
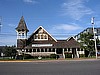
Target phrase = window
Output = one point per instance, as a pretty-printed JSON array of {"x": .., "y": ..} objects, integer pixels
[
  {"x": 78, "y": 49},
  {"x": 53, "y": 49},
  {"x": 40, "y": 37},
  {"x": 45, "y": 36},
  {"x": 22, "y": 34},
  {"x": 49, "y": 49},
  {"x": 42, "y": 50},
  {"x": 30, "y": 50},
  {"x": 45, "y": 49},
  {"x": 65, "y": 49},
  {"x": 68, "y": 49},
  {"x": 41, "y": 31}
]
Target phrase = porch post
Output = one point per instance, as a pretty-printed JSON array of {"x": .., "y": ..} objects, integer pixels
[
  {"x": 25, "y": 50},
  {"x": 72, "y": 52},
  {"x": 77, "y": 53},
  {"x": 47, "y": 50},
  {"x": 67, "y": 49},
  {"x": 36, "y": 50},
  {"x": 63, "y": 54},
  {"x": 32, "y": 52},
  {"x": 44, "y": 49},
  {"x": 55, "y": 51}
]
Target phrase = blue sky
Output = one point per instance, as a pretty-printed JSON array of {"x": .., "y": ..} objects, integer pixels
[{"x": 61, "y": 18}]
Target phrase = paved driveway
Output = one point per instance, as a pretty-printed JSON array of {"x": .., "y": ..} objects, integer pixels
[{"x": 51, "y": 68}]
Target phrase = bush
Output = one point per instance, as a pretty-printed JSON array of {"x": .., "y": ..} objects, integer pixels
[
  {"x": 82, "y": 55},
  {"x": 68, "y": 55},
  {"x": 27, "y": 56},
  {"x": 53, "y": 56},
  {"x": 19, "y": 57}
]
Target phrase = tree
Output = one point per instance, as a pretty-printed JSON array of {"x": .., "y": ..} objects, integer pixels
[
  {"x": 10, "y": 51},
  {"x": 87, "y": 42}
]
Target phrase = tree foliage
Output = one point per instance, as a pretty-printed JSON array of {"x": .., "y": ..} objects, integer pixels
[
  {"x": 10, "y": 51},
  {"x": 86, "y": 41}
]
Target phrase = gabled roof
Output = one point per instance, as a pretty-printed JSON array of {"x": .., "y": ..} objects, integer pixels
[
  {"x": 22, "y": 25},
  {"x": 71, "y": 38},
  {"x": 45, "y": 31},
  {"x": 67, "y": 44}
]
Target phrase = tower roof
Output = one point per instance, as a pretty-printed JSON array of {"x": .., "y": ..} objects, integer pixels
[{"x": 22, "y": 25}]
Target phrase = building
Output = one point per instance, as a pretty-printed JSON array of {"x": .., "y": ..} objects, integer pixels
[
  {"x": 41, "y": 43},
  {"x": 89, "y": 30}
]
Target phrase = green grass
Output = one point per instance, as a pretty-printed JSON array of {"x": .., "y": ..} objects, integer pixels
[{"x": 33, "y": 59}]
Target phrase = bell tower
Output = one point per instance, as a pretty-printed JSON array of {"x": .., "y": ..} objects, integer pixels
[{"x": 22, "y": 31}]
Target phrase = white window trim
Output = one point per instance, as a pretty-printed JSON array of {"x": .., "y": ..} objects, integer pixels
[{"x": 40, "y": 37}]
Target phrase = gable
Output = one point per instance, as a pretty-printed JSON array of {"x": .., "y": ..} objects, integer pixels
[
  {"x": 71, "y": 38},
  {"x": 40, "y": 34},
  {"x": 73, "y": 43}
]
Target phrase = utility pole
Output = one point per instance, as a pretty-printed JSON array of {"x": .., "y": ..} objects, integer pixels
[{"x": 94, "y": 32}]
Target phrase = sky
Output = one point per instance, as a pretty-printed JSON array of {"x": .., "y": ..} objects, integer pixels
[{"x": 61, "y": 18}]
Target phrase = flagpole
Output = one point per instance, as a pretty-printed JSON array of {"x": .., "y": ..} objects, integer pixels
[{"x": 92, "y": 21}]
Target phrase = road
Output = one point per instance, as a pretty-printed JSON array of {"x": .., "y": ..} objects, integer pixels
[{"x": 51, "y": 68}]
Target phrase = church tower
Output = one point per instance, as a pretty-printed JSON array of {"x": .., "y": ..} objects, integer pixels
[{"x": 21, "y": 33}]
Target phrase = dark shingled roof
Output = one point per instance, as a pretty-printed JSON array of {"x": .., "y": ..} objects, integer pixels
[
  {"x": 72, "y": 43},
  {"x": 22, "y": 25}
]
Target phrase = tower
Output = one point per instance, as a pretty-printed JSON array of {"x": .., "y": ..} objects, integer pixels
[{"x": 21, "y": 33}]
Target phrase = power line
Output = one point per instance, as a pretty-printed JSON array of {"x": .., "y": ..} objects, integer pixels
[{"x": 6, "y": 34}]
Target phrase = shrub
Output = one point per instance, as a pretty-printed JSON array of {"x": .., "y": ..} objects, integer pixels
[
  {"x": 53, "y": 56},
  {"x": 19, "y": 57},
  {"x": 81, "y": 55},
  {"x": 68, "y": 55},
  {"x": 27, "y": 56}
]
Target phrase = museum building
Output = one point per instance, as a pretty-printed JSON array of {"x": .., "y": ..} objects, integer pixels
[{"x": 41, "y": 43}]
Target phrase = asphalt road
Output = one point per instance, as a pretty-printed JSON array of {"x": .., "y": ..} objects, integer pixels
[{"x": 51, "y": 68}]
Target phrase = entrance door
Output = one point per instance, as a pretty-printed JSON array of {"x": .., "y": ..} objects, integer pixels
[
  {"x": 74, "y": 52},
  {"x": 59, "y": 51}
]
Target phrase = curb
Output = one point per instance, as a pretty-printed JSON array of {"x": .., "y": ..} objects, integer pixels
[{"x": 54, "y": 60}]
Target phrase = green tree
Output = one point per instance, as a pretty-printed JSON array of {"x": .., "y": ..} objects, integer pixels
[
  {"x": 10, "y": 51},
  {"x": 87, "y": 42}
]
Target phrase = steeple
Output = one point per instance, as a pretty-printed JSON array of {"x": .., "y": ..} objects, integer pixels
[
  {"x": 21, "y": 33},
  {"x": 22, "y": 29},
  {"x": 22, "y": 25}
]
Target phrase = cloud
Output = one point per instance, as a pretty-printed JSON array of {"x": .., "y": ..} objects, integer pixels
[
  {"x": 76, "y": 9},
  {"x": 30, "y": 1},
  {"x": 65, "y": 29}
]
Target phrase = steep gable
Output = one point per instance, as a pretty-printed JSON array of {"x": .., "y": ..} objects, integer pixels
[{"x": 40, "y": 34}]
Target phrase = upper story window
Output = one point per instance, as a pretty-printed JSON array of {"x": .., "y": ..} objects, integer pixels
[
  {"x": 40, "y": 36},
  {"x": 40, "y": 31}
]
